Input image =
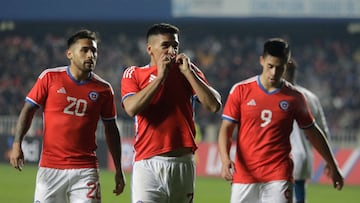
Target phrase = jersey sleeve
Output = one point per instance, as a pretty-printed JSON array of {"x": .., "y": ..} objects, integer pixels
[
  {"x": 129, "y": 85},
  {"x": 232, "y": 106},
  {"x": 39, "y": 91},
  {"x": 109, "y": 108},
  {"x": 201, "y": 77},
  {"x": 199, "y": 73}
]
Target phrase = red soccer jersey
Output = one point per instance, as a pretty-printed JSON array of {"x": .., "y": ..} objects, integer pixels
[
  {"x": 167, "y": 122},
  {"x": 71, "y": 114},
  {"x": 265, "y": 121}
]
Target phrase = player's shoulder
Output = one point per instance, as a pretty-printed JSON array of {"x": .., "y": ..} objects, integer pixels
[
  {"x": 130, "y": 71},
  {"x": 293, "y": 91},
  {"x": 96, "y": 78},
  {"x": 306, "y": 91},
  {"x": 308, "y": 94},
  {"x": 291, "y": 88},
  {"x": 247, "y": 81},
  {"x": 51, "y": 71},
  {"x": 244, "y": 83}
]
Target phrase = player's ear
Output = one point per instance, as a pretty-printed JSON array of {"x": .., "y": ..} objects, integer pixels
[
  {"x": 68, "y": 54},
  {"x": 148, "y": 48},
  {"x": 261, "y": 59}
]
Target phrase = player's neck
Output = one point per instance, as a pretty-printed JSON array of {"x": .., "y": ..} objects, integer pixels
[
  {"x": 79, "y": 75},
  {"x": 270, "y": 86}
]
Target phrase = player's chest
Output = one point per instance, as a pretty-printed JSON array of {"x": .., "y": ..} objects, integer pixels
[
  {"x": 73, "y": 98},
  {"x": 262, "y": 107},
  {"x": 175, "y": 82}
]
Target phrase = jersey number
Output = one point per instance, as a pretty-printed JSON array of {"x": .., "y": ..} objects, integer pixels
[
  {"x": 266, "y": 116},
  {"x": 76, "y": 106},
  {"x": 94, "y": 191}
]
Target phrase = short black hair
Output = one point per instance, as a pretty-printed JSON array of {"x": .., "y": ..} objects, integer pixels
[
  {"x": 162, "y": 28},
  {"x": 277, "y": 47},
  {"x": 82, "y": 34}
]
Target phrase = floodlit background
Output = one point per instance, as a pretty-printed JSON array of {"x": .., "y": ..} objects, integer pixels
[{"x": 223, "y": 37}]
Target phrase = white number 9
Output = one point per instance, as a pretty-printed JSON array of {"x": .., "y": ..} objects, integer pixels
[{"x": 266, "y": 116}]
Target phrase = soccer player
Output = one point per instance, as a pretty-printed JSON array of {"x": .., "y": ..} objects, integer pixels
[
  {"x": 72, "y": 98},
  {"x": 264, "y": 108},
  {"x": 160, "y": 96},
  {"x": 301, "y": 149}
]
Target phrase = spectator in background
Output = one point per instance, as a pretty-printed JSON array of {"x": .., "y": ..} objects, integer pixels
[
  {"x": 301, "y": 149},
  {"x": 25, "y": 53},
  {"x": 264, "y": 108},
  {"x": 161, "y": 97},
  {"x": 73, "y": 99}
]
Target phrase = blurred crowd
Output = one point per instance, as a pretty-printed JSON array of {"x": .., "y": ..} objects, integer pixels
[{"x": 330, "y": 67}]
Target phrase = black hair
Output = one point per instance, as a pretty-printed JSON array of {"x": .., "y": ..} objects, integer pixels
[
  {"x": 81, "y": 34},
  {"x": 277, "y": 47},
  {"x": 162, "y": 28}
]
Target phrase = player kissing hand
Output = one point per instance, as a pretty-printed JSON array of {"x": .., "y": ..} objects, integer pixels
[{"x": 183, "y": 61}]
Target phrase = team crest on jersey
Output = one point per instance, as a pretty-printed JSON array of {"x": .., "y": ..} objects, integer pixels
[
  {"x": 284, "y": 105},
  {"x": 93, "y": 96}
]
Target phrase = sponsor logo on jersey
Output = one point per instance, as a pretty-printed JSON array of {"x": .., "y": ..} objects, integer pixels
[
  {"x": 61, "y": 90},
  {"x": 251, "y": 103}
]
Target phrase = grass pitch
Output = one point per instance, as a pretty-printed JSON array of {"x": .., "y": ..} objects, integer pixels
[{"x": 18, "y": 187}]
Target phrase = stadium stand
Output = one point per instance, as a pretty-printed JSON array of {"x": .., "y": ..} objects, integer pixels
[{"x": 329, "y": 64}]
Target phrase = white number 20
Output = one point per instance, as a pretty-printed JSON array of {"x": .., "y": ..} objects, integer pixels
[
  {"x": 266, "y": 116},
  {"x": 76, "y": 106}
]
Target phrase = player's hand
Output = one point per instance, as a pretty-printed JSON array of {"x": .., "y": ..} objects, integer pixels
[
  {"x": 164, "y": 64},
  {"x": 335, "y": 175},
  {"x": 184, "y": 62},
  {"x": 17, "y": 156},
  {"x": 119, "y": 183},
  {"x": 227, "y": 170}
]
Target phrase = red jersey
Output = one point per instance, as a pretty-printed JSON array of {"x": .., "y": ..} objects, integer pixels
[
  {"x": 71, "y": 111},
  {"x": 167, "y": 122},
  {"x": 265, "y": 121}
]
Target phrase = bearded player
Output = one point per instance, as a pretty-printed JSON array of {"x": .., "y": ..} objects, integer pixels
[{"x": 73, "y": 99}]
